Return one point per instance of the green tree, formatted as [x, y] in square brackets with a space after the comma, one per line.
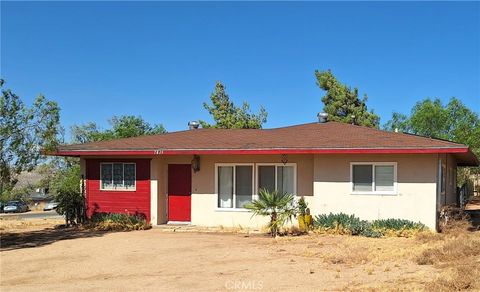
[122, 127]
[228, 116]
[24, 132]
[398, 122]
[430, 118]
[342, 103]
[68, 193]
[88, 132]
[131, 126]
[278, 206]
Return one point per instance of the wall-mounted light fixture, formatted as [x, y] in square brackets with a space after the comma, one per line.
[284, 159]
[196, 163]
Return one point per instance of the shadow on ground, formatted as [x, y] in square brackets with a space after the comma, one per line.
[36, 238]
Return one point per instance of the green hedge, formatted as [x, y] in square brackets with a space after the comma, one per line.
[349, 224]
[397, 227]
[396, 224]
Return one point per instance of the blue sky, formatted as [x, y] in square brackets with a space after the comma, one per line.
[161, 60]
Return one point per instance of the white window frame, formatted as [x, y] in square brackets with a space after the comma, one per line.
[276, 165]
[234, 202]
[122, 189]
[374, 192]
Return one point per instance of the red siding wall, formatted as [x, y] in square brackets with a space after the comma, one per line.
[118, 201]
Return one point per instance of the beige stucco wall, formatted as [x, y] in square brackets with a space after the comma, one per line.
[204, 199]
[324, 180]
[416, 185]
[155, 170]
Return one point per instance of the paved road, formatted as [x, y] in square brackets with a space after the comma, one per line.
[31, 215]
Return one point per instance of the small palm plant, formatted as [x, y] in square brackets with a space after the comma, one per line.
[279, 206]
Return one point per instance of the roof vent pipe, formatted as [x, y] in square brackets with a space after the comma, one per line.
[193, 125]
[322, 117]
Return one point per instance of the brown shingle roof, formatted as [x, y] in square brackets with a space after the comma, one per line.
[314, 136]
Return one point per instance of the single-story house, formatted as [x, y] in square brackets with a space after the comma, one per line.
[205, 176]
[31, 192]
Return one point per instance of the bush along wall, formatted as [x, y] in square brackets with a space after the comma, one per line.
[349, 224]
[118, 222]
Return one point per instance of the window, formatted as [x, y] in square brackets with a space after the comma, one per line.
[277, 177]
[378, 177]
[117, 176]
[234, 185]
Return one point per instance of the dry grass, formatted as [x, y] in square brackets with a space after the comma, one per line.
[460, 277]
[349, 255]
[453, 256]
[450, 249]
[428, 237]
[430, 261]
[13, 225]
[456, 252]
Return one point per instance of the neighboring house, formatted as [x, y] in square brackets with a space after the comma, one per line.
[28, 186]
[205, 176]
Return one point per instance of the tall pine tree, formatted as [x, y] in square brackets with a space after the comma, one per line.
[342, 102]
[228, 116]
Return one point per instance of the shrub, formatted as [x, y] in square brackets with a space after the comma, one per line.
[302, 206]
[397, 227]
[452, 218]
[344, 224]
[396, 224]
[368, 232]
[71, 203]
[118, 222]
[349, 224]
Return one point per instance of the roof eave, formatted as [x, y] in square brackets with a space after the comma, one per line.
[467, 159]
[261, 151]
[78, 153]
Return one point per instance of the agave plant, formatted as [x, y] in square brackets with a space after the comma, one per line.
[279, 206]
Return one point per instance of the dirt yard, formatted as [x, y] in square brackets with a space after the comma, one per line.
[34, 257]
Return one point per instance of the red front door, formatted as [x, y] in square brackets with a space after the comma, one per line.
[179, 192]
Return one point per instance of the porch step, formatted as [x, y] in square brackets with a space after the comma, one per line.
[194, 228]
[176, 227]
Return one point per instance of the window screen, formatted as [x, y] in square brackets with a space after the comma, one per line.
[129, 175]
[362, 178]
[384, 178]
[243, 185]
[266, 177]
[285, 177]
[225, 186]
[106, 171]
[117, 176]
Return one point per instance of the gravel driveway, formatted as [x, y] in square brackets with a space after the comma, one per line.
[157, 260]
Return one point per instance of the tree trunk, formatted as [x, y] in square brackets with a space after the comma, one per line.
[273, 224]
